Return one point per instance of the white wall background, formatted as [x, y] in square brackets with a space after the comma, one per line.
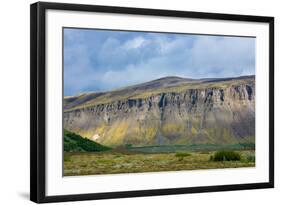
[14, 100]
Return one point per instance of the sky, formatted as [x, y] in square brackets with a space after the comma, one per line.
[102, 60]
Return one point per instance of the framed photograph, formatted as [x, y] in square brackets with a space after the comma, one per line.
[129, 102]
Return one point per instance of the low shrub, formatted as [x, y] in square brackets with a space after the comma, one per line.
[250, 158]
[226, 156]
[66, 158]
[182, 154]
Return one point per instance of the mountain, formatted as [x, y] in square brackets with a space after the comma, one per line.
[88, 99]
[170, 110]
[74, 142]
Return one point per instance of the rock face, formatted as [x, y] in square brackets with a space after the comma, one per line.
[206, 111]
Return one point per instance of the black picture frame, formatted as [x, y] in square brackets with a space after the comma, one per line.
[38, 101]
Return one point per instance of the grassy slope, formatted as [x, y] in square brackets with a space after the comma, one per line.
[76, 143]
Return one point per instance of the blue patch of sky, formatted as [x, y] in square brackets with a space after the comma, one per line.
[102, 60]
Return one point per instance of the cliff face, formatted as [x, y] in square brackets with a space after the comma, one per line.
[213, 112]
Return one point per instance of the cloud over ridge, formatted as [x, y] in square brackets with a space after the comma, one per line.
[100, 60]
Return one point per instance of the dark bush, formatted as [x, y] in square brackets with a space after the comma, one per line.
[226, 156]
[182, 154]
[250, 158]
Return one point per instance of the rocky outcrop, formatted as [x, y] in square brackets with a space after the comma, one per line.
[223, 114]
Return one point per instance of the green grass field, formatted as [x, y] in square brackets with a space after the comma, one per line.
[129, 161]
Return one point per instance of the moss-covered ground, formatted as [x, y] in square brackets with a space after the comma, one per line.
[121, 161]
